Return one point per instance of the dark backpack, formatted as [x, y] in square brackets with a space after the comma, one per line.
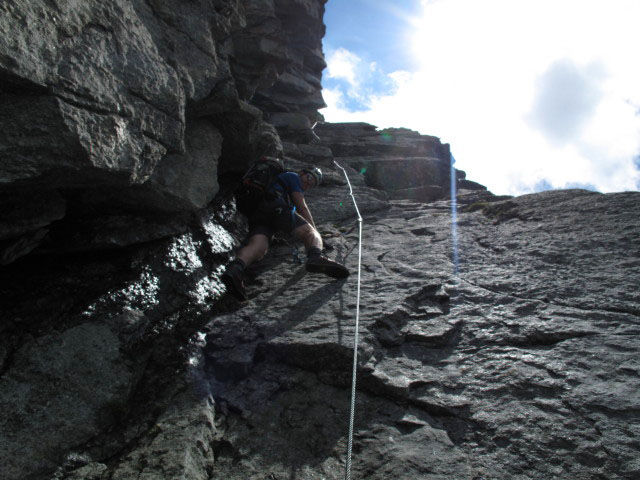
[256, 183]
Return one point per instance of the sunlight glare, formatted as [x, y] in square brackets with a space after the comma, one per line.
[530, 94]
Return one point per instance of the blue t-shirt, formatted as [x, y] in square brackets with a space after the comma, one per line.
[288, 183]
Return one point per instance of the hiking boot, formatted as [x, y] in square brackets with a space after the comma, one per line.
[233, 280]
[321, 264]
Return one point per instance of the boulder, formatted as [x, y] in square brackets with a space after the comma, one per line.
[191, 178]
[119, 110]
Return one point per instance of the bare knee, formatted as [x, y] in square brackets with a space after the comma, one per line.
[262, 253]
[261, 245]
[255, 250]
[304, 232]
[309, 236]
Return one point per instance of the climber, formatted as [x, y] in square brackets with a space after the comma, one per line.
[284, 210]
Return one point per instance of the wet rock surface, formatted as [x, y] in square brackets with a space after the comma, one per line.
[96, 346]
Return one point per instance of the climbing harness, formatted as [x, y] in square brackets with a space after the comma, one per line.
[347, 474]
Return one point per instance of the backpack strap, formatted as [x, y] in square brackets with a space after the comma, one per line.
[280, 194]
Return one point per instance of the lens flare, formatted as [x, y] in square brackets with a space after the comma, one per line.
[454, 218]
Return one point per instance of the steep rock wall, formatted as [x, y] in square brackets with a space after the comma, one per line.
[133, 106]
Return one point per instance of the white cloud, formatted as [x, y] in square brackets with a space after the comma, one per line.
[567, 96]
[342, 64]
[525, 92]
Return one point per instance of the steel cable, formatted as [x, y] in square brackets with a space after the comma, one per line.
[347, 474]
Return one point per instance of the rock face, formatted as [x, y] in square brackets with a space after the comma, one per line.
[397, 160]
[498, 335]
[506, 348]
[518, 360]
[133, 106]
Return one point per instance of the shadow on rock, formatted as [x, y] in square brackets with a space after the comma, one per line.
[282, 290]
[311, 303]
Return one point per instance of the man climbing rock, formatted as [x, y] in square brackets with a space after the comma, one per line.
[283, 209]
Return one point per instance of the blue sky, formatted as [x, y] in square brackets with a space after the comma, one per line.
[378, 33]
[531, 94]
[375, 29]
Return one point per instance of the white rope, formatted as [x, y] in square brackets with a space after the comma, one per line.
[347, 474]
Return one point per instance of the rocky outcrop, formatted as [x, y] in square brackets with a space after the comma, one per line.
[134, 106]
[397, 160]
[498, 335]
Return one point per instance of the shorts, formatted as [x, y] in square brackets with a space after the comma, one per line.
[274, 216]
